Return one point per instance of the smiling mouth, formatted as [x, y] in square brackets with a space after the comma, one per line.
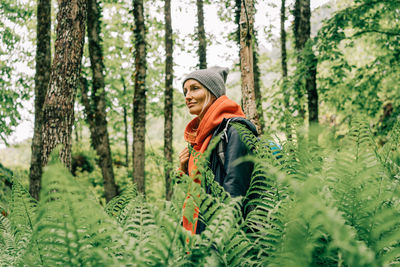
[191, 105]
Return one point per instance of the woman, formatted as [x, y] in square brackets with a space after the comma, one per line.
[205, 97]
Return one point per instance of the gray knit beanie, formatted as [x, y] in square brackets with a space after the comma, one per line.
[213, 79]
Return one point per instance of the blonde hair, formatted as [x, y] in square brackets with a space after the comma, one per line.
[209, 97]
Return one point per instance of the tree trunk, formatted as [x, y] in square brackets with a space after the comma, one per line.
[286, 95]
[168, 104]
[302, 29]
[283, 41]
[285, 91]
[238, 4]
[246, 63]
[42, 77]
[300, 32]
[139, 99]
[201, 35]
[126, 141]
[58, 109]
[257, 86]
[96, 106]
[311, 84]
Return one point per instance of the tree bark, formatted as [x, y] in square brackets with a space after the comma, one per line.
[139, 99]
[246, 63]
[96, 106]
[285, 91]
[201, 35]
[42, 77]
[257, 86]
[283, 41]
[302, 30]
[302, 15]
[311, 84]
[168, 104]
[58, 109]
[286, 95]
[238, 4]
[126, 141]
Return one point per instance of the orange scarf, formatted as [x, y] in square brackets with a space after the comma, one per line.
[199, 133]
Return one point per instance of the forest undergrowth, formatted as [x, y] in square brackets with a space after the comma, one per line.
[321, 202]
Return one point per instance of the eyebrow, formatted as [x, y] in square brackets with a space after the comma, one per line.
[191, 86]
[195, 85]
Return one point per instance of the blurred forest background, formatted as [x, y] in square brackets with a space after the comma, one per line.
[103, 79]
[352, 46]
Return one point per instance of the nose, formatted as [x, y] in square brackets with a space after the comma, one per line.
[188, 95]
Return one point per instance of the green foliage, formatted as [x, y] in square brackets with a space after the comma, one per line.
[14, 82]
[115, 206]
[324, 202]
[17, 224]
[358, 47]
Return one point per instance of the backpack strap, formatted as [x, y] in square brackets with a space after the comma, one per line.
[222, 143]
[272, 146]
[221, 152]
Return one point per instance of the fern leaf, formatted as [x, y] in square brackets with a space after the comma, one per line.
[118, 203]
[23, 208]
[138, 222]
[9, 251]
[170, 241]
[71, 228]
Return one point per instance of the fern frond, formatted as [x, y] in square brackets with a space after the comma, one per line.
[366, 195]
[310, 221]
[263, 208]
[222, 233]
[385, 235]
[390, 154]
[137, 221]
[115, 206]
[20, 221]
[263, 147]
[221, 215]
[9, 250]
[23, 211]
[170, 241]
[71, 228]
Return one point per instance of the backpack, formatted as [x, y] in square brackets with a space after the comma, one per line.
[274, 147]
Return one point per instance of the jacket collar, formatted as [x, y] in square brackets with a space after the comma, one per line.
[197, 131]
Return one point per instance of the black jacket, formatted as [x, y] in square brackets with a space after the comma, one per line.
[233, 177]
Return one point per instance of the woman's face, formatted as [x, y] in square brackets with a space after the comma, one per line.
[198, 99]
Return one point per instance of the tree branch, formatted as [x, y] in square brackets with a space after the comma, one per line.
[376, 31]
